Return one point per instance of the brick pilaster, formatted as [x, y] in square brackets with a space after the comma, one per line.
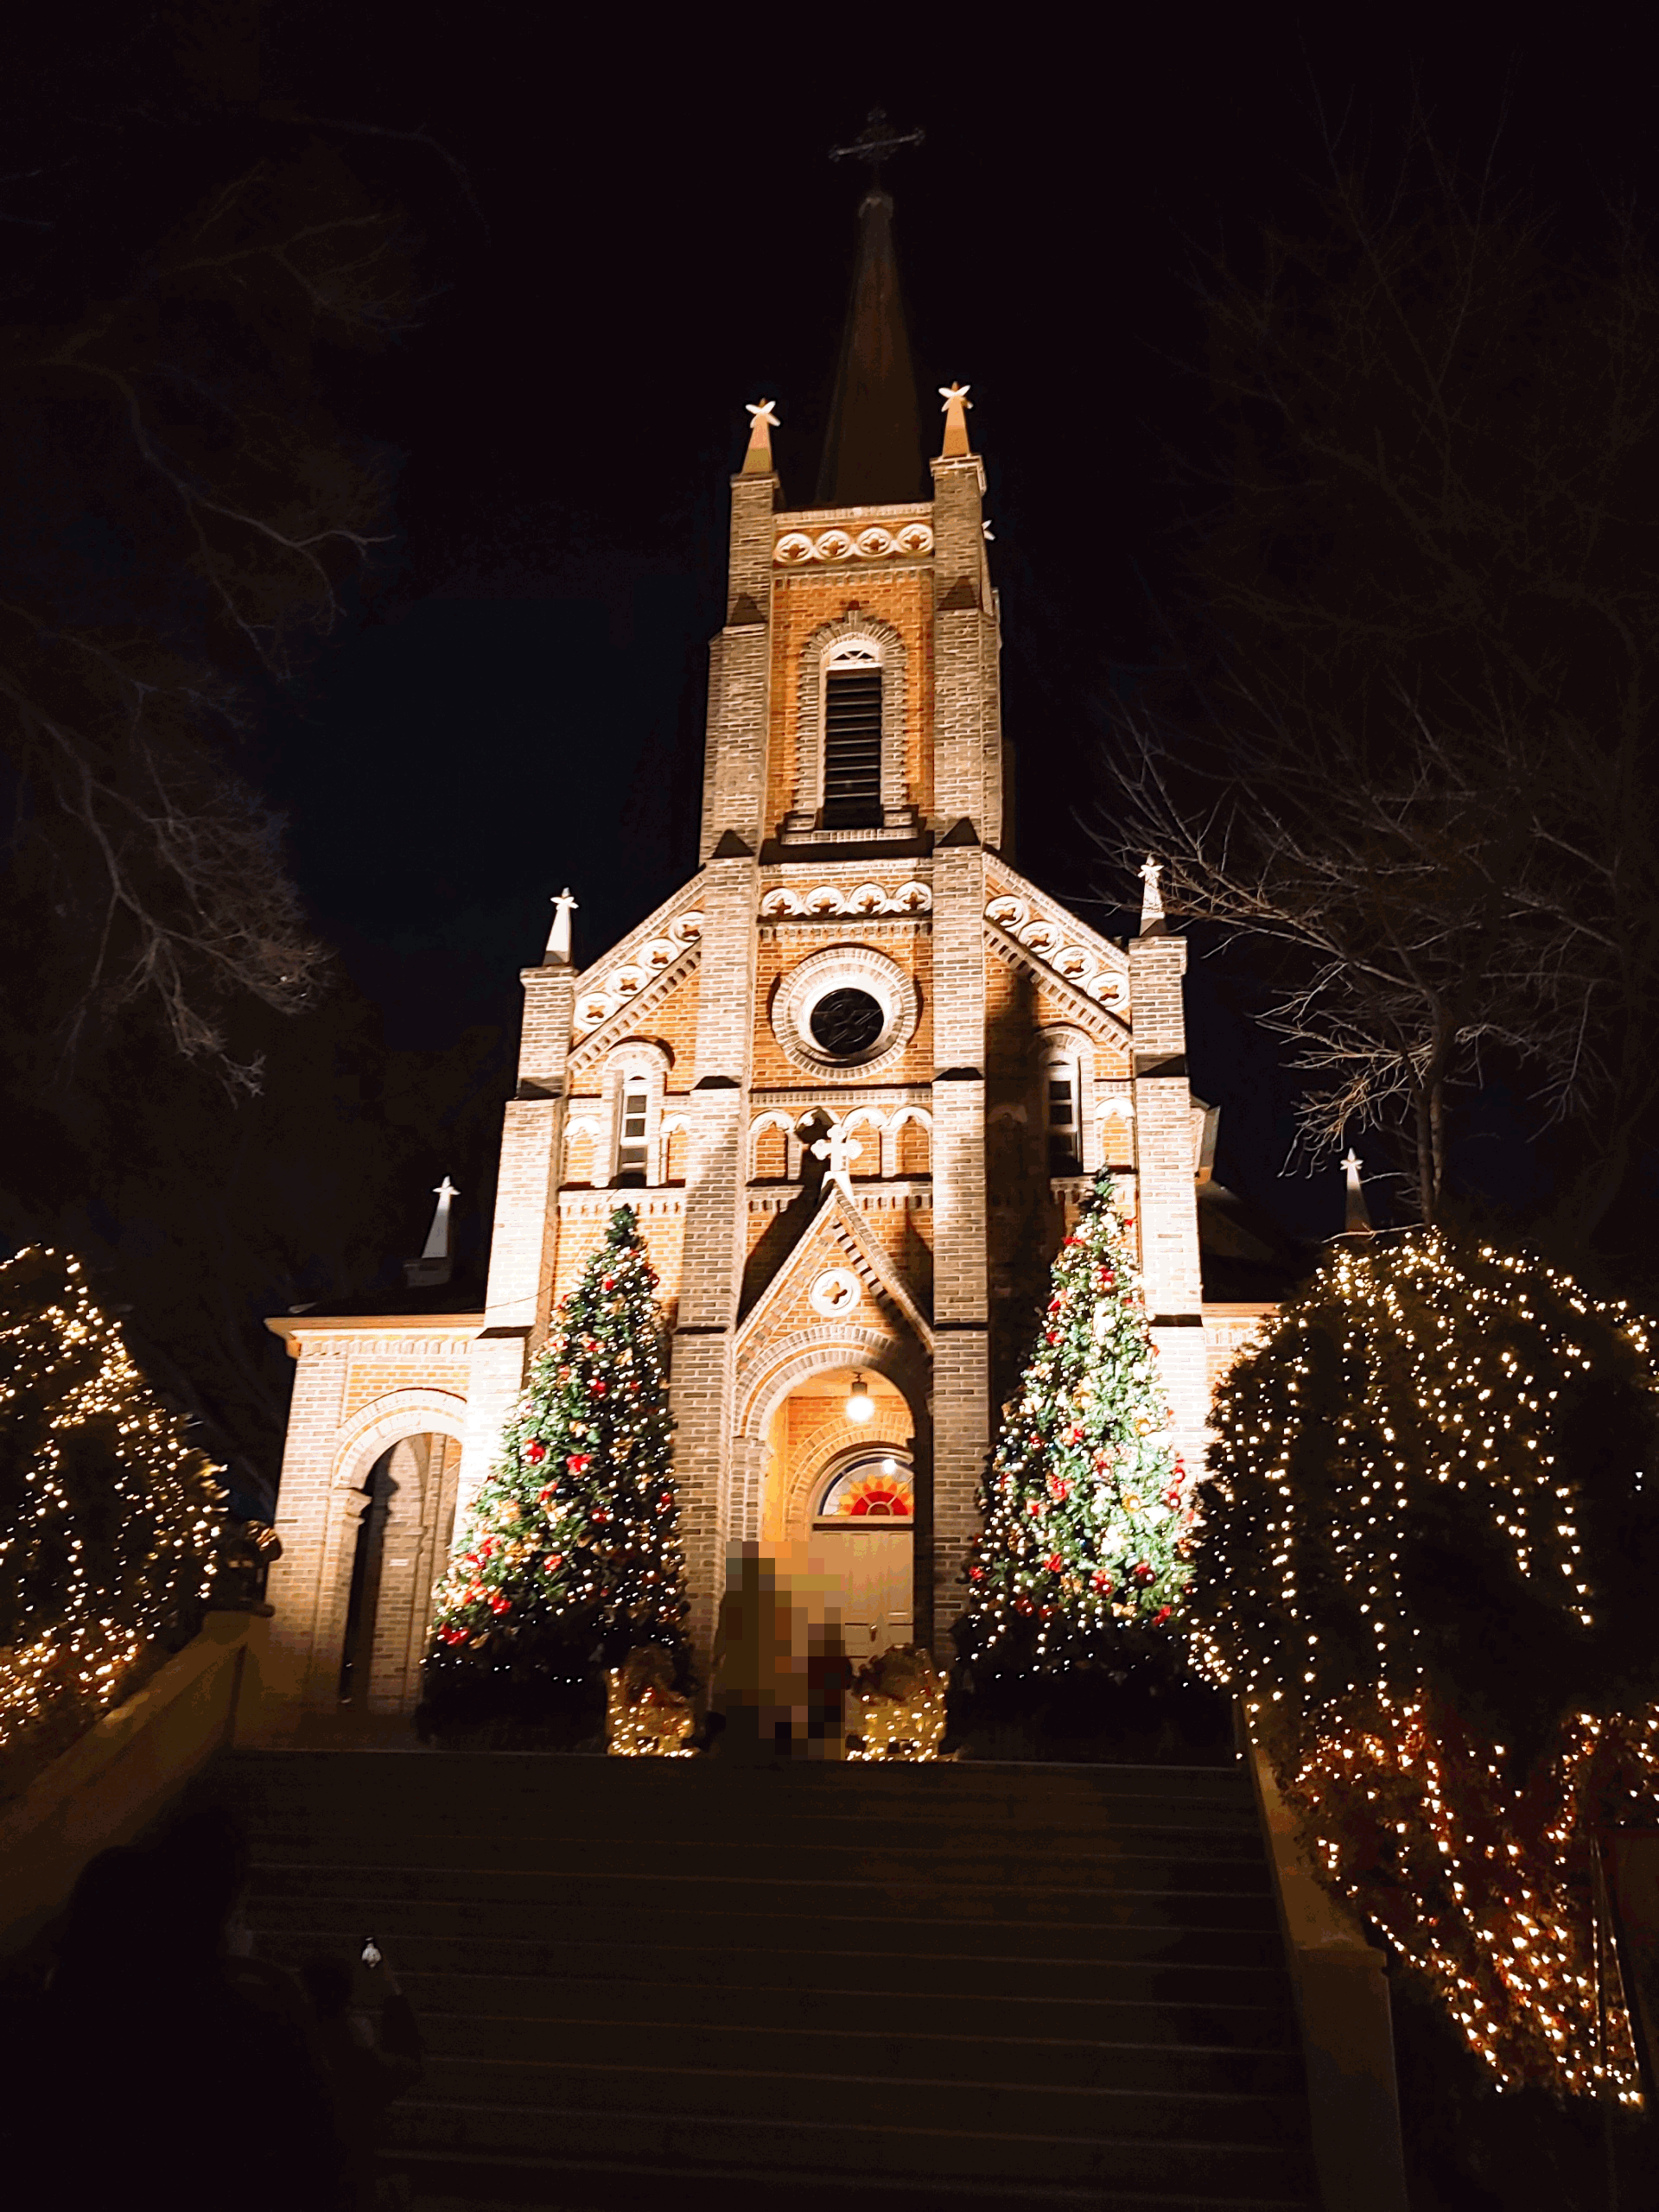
[298, 1582]
[961, 1299]
[733, 783]
[711, 1267]
[1166, 1188]
[967, 756]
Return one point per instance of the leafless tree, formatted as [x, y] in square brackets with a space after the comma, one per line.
[1423, 768]
[180, 511]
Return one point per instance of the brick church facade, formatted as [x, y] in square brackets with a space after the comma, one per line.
[855, 1075]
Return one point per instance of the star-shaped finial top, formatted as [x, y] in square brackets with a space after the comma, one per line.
[765, 412]
[956, 403]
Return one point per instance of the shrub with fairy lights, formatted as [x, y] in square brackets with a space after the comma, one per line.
[1427, 1564]
[109, 1516]
[570, 1558]
[1086, 1505]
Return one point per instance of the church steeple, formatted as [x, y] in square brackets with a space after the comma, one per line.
[872, 446]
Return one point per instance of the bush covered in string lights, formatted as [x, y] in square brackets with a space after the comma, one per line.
[570, 1556]
[1086, 1507]
[1427, 1563]
[109, 1515]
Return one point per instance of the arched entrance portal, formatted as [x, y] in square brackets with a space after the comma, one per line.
[402, 1538]
[839, 1501]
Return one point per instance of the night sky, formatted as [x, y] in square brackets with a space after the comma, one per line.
[629, 228]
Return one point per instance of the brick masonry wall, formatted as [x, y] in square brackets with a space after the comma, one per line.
[377, 1378]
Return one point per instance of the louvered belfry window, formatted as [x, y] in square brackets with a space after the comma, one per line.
[852, 748]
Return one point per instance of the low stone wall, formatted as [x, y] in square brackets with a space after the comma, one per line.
[1342, 2004]
[124, 1771]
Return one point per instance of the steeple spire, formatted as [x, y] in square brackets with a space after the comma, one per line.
[872, 449]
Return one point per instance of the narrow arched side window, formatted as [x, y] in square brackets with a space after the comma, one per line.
[1063, 1114]
[852, 736]
[635, 1078]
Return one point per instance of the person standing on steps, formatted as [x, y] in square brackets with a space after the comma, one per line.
[758, 1686]
[368, 2053]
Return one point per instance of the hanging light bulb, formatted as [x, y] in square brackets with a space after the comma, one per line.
[860, 1406]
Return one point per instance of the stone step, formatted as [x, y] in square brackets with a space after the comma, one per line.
[973, 2052]
[845, 2145]
[594, 2185]
[801, 1934]
[965, 1861]
[501, 1783]
[994, 2108]
[1018, 1780]
[768, 2009]
[531, 1896]
[992, 1976]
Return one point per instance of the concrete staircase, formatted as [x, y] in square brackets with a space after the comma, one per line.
[651, 1982]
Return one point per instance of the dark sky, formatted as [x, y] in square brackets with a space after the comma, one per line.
[629, 228]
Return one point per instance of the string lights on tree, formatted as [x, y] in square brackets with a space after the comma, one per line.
[109, 1515]
[570, 1556]
[1428, 1555]
[1087, 1508]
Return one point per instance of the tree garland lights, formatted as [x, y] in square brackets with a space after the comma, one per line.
[572, 1546]
[1427, 1563]
[1087, 1511]
[109, 1516]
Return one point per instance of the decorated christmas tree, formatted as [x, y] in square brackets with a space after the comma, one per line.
[570, 1556]
[109, 1515]
[1086, 1511]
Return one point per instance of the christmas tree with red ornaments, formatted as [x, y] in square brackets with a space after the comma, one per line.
[571, 1557]
[1087, 1506]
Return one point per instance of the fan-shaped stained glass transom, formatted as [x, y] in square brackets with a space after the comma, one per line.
[875, 1488]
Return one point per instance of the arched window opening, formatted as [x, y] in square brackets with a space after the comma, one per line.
[1065, 1148]
[913, 1144]
[633, 1111]
[852, 739]
[771, 1155]
[866, 1163]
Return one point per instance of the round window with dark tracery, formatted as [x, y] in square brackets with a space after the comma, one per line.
[847, 1022]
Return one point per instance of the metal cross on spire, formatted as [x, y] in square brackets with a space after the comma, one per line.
[876, 142]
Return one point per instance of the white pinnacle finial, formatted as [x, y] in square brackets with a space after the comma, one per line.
[763, 421]
[956, 402]
[1152, 899]
[437, 1238]
[1357, 1215]
[558, 940]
